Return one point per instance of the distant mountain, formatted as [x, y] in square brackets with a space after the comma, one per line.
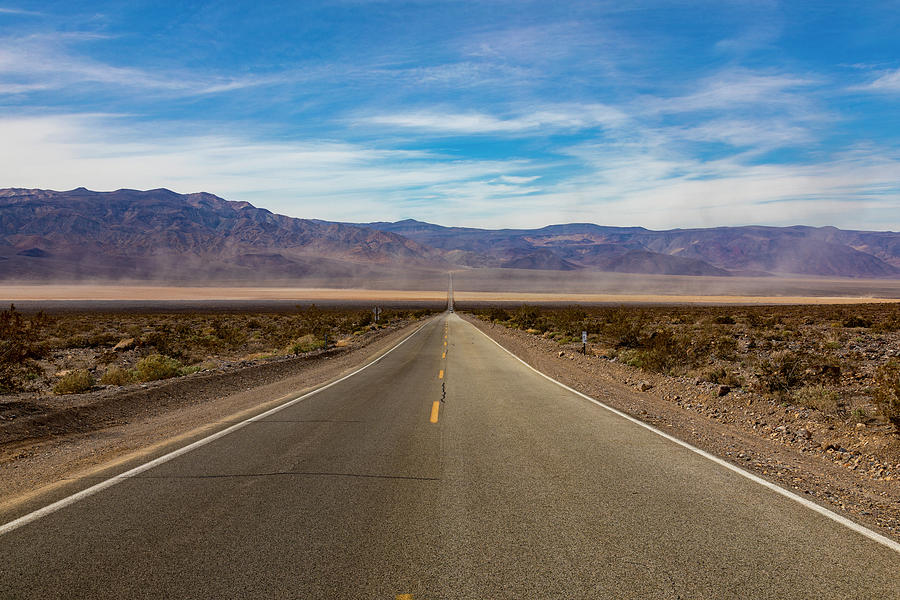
[158, 234]
[164, 236]
[720, 251]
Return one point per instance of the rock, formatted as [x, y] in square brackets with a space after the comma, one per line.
[63, 373]
[803, 433]
[126, 344]
[644, 386]
[561, 354]
[723, 390]
[860, 426]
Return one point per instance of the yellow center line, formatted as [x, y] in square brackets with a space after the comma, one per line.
[441, 374]
[434, 411]
[444, 355]
[404, 597]
[445, 342]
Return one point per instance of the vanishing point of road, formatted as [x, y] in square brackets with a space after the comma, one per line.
[446, 469]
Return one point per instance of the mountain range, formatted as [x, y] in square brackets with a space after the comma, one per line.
[161, 235]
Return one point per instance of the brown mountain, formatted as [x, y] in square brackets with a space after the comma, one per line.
[161, 235]
[722, 251]
[164, 236]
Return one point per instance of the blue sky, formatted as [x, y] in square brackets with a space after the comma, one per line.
[491, 113]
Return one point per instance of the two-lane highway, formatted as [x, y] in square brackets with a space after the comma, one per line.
[448, 469]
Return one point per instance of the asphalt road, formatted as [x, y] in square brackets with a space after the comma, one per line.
[446, 470]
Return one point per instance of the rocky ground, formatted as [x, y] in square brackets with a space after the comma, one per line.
[850, 466]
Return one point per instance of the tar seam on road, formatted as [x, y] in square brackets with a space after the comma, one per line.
[275, 474]
[59, 504]
[296, 421]
[865, 531]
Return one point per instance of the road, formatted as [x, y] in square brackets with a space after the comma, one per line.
[448, 469]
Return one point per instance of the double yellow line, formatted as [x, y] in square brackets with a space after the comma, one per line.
[436, 406]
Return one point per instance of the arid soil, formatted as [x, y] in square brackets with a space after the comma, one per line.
[586, 298]
[157, 293]
[853, 468]
[48, 440]
[515, 281]
[495, 285]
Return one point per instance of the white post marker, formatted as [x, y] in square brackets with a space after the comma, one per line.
[584, 342]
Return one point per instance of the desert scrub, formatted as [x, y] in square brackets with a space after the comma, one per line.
[19, 349]
[781, 373]
[157, 366]
[117, 376]
[76, 382]
[307, 343]
[819, 397]
[723, 376]
[886, 391]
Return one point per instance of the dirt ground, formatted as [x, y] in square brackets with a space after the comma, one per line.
[153, 293]
[43, 450]
[853, 471]
[499, 285]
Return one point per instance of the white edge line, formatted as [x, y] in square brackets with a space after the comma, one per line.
[59, 504]
[872, 535]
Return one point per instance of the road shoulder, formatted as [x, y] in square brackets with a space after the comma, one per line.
[158, 419]
[813, 475]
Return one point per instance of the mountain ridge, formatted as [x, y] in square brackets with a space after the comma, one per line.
[160, 234]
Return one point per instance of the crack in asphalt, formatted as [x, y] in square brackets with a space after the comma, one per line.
[296, 421]
[275, 474]
[672, 587]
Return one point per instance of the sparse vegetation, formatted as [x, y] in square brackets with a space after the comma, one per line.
[75, 382]
[819, 397]
[117, 376]
[129, 347]
[838, 360]
[19, 349]
[155, 367]
[887, 391]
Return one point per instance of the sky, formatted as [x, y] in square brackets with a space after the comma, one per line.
[495, 113]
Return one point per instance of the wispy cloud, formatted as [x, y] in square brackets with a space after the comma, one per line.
[312, 178]
[45, 62]
[550, 117]
[19, 11]
[736, 89]
[887, 82]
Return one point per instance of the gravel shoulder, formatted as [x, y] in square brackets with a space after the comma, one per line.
[69, 438]
[849, 471]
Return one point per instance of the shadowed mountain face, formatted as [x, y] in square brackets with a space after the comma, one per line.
[754, 251]
[160, 235]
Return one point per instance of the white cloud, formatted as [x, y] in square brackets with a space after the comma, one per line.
[761, 135]
[888, 82]
[320, 179]
[644, 180]
[45, 62]
[19, 11]
[550, 117]
[736, 89]
[516, 180]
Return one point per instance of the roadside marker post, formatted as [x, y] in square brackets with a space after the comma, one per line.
[584, 342]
